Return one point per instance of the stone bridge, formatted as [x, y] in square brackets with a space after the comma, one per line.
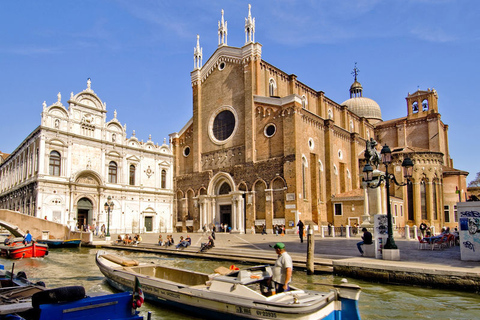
[18, 224]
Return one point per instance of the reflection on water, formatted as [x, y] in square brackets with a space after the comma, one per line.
[66, 267]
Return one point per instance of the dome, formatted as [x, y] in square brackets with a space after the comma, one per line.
[364, 107]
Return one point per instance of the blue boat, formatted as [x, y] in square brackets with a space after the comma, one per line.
[58, 243]
[24, 300]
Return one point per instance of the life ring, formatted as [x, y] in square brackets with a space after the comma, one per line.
[63, 294]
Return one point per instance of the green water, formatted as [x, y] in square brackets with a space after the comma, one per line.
[65, 267]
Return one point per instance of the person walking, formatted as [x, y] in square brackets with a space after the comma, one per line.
[300, 226]
[282, 270]
[366, 239]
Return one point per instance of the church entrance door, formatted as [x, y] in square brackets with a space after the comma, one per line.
[226, 214]
[84, 213]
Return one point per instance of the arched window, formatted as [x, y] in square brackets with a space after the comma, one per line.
[132, 175]
[304, 178]
[54, 167]
[272, 88]
[164, 179]
[112, 172]
[423, 200]
[434, 195]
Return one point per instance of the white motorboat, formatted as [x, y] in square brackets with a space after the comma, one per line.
[236, 295]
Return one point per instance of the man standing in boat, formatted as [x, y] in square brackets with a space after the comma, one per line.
[282, 271]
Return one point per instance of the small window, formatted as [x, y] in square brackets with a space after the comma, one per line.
[221, 66]
[54, 167]
[335, 170]
[340, 154]
[186, 151]
[112, 172]
[446, 211]
[164, 179]
[338, 209]
[270, 130]
[132, 175]
[311, 143]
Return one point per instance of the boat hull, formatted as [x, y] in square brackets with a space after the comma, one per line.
[222, 305]
[19, 250]
[53, 244]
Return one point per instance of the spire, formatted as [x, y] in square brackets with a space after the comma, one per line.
[356, 88]
[197, 55]
[222, 32]
[249, 27]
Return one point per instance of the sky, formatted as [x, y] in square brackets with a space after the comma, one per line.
[139, 55]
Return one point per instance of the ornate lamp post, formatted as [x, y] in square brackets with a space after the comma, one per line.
[108, 208]
[407, 165]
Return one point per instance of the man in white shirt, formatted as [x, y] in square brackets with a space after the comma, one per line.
[282, 271]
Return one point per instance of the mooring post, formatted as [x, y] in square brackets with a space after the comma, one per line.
[310, 250]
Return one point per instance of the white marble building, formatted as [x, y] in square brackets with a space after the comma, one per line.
[68, 166]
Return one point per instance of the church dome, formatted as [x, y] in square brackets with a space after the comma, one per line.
[364, 107]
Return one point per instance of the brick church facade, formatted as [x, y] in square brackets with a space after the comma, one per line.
[263, 148]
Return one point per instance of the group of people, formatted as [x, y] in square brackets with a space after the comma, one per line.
[167, 242]
[127, 239]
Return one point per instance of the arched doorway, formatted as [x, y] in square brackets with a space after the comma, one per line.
[84, 213]
[225, 206]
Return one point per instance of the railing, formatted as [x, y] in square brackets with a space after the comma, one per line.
[407, 232]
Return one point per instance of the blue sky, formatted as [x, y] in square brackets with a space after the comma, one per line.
[139, 55]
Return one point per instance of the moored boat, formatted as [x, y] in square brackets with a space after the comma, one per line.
[236, 295]
[22, 299]
[58, 243]
[18, 250]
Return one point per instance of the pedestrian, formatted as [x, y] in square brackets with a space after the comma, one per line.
[282, 270]
[300, 226]
[264, 229]
[423, 227]
[366, 239]
[102, 231]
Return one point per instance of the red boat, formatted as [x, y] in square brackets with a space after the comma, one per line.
[18, 250]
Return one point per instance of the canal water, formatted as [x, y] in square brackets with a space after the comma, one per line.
[66, 267]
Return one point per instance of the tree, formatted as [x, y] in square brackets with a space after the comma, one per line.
[475, 182]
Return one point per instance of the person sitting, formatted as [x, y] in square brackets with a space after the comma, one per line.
[160, 240]
[183, 243]
[8, 240]
[127, 239]
[169, 241]
[27, 238]
[208, 245]
[189, 240]
[137, 239]
[367, 239]
[119, 240]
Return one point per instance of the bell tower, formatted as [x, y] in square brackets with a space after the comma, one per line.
[422, 103]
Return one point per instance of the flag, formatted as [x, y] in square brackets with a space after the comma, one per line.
[138, 296]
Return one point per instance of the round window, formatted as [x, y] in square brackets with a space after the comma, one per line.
[223, 125]
[186, 151]
[311, 144]
[270, 130]
[221, 66]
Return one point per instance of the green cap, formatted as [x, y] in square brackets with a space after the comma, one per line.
[279, 245]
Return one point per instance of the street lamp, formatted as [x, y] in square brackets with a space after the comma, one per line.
[108, 207]
[407, 165]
